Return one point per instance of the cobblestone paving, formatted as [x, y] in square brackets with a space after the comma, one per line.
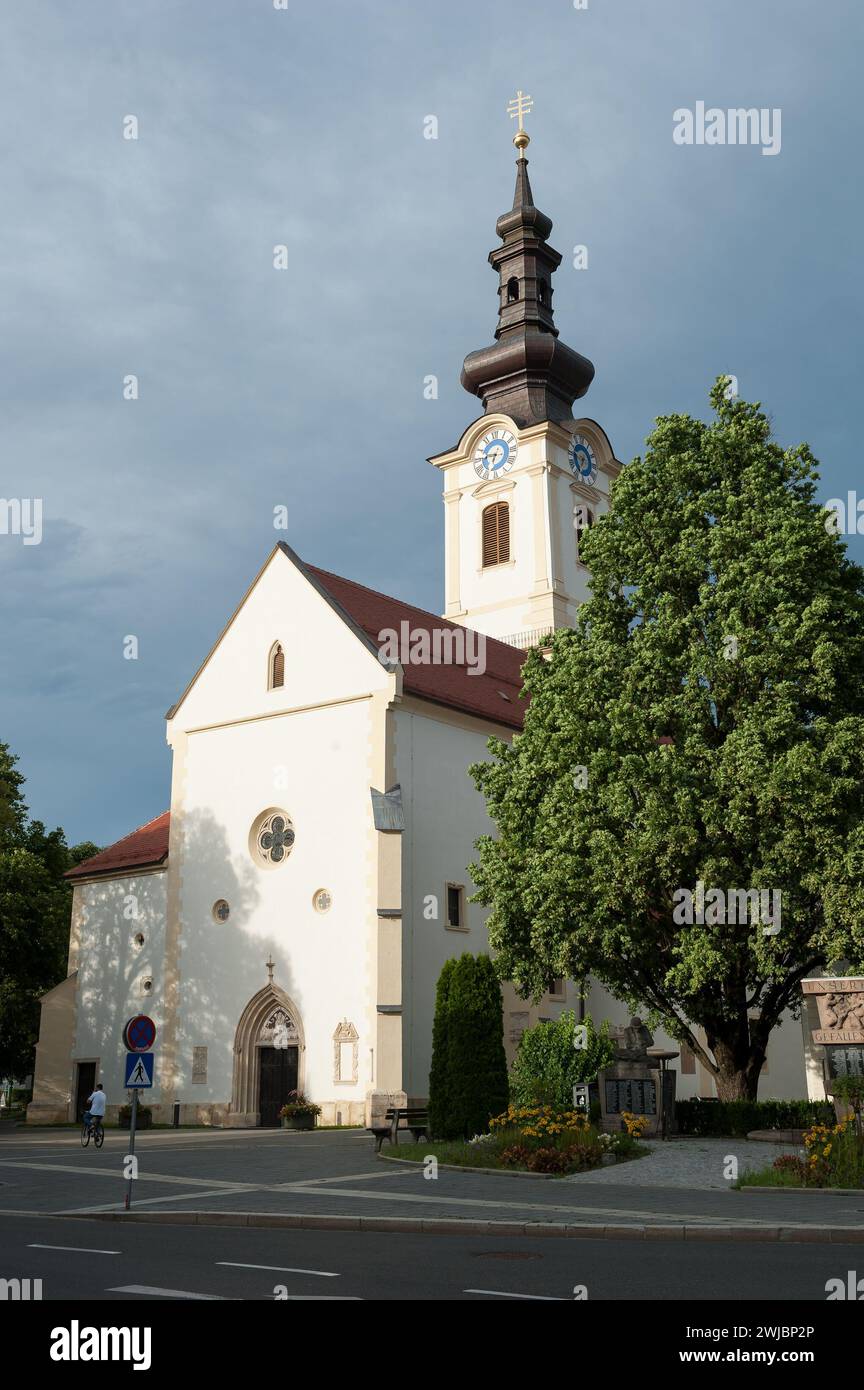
[693, 1163]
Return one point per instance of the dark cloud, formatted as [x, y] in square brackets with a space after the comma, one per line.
[305, 387]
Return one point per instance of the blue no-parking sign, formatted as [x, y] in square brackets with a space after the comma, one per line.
[139, 1033]
[139, 1070]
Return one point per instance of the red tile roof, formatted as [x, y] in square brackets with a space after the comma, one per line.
[493, 695]
[145, 848]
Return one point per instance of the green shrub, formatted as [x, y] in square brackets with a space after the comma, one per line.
[439, 1083]
[737, 1117]
[547, 1066]
[468, 1076]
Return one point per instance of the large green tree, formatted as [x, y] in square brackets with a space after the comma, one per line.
[34, 917]
[702, 724]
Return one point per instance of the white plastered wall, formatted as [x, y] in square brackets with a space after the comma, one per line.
[311, 749]
[109, 916]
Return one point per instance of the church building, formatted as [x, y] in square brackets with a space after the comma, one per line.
[286, 921]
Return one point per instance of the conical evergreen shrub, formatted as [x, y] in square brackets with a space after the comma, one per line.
[468, 1080]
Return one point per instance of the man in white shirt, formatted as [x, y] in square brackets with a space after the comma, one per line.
[95, 1106]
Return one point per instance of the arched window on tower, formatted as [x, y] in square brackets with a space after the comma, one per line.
[543, 291]
[496, 534]
[512, 290]
[583, 518]
[277, 666]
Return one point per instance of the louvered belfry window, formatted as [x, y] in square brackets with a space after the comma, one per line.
[496, 534]
[278, 668]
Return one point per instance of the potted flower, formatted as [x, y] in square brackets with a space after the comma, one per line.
[298, 1112]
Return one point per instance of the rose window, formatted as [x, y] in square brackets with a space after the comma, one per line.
[275, 838]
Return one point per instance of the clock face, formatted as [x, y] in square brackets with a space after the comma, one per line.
[495, 455]
[583, 460]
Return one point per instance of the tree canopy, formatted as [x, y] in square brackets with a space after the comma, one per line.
[34, 917]
[702, 729]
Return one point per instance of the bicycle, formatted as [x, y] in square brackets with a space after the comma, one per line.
[93, 1130]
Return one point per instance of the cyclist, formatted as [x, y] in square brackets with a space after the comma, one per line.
[95, 1107]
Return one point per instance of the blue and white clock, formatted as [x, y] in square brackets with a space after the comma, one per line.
[583, 460]
[495, 455]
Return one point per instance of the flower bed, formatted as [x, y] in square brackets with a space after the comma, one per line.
[833, 1157]
[536, 1139]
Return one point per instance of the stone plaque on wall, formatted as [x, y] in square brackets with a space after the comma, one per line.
[841, 1010]
[845, 1061]
[639, 1096]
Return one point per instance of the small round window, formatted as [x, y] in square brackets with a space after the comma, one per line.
[271, 839]
[322, 901]
[221, 910]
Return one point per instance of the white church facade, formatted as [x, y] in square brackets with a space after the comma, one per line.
[286, 921]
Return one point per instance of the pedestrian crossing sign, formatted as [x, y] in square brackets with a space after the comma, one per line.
[139, 1070]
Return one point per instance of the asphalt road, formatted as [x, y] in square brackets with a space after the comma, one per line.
[337, 1173]
[105, 1261]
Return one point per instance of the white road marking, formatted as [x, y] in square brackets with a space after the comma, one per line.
[350, 1177]
[498, 1293]
[153, 1201]
[575, 1212]
[77, 1249]
[280, 1269]
[112, 1172]
[167, 1293]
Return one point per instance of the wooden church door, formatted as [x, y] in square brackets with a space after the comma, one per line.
[278, 1076]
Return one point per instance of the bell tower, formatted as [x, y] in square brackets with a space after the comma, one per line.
[526, 478]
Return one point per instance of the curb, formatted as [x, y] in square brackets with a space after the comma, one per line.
[834, 1235]
[470, 1168]
[796, 1191]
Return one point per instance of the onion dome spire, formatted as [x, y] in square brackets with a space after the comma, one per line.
[528, 373]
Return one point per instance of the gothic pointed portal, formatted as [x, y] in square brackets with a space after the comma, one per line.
[528, 373]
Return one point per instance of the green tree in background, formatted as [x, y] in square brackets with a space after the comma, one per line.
[468, 1077]
[34, 918]
[548, 1065]
[703, 723]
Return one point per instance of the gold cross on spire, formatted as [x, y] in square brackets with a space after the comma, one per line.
[520, 106]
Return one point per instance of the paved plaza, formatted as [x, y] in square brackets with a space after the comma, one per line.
[336, 1173]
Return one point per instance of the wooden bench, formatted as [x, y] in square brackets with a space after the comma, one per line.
[415, 1118]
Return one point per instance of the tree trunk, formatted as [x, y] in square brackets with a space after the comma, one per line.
[739, 1062]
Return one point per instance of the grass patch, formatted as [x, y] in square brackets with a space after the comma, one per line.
[769, 1177]
[454, 1151]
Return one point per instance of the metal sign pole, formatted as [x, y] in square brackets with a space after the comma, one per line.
[132, 1147]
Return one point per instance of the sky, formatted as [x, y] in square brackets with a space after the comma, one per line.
[303, 126]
